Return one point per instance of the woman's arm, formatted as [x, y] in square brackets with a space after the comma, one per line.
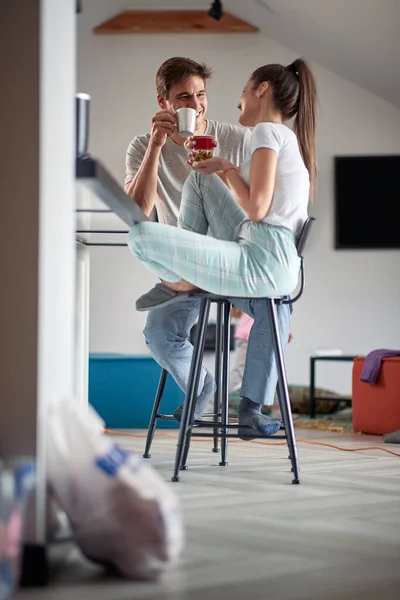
[256, 198]
[222, 175]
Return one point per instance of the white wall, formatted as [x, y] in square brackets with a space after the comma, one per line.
[352, 298]
[37, 239]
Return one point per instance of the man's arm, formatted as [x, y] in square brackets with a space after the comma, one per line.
[143, 186]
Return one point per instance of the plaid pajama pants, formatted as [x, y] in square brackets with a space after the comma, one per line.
[217, 248]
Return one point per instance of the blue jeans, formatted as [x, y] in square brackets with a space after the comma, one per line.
[167, 332]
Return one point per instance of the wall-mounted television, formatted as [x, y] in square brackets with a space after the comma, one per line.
[367, 202]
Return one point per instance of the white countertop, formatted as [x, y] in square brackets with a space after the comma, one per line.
[96, 224]
[104, 213]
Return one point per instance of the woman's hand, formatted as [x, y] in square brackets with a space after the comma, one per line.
[210, 165]
[190, 146]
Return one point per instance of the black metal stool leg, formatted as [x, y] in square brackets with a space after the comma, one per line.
[218, 372]
[225, 382]
[283, 393]
[188, 439]
[191, 392]
[155, 411]
[196, 377]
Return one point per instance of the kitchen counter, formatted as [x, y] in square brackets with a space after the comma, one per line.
[104, 214]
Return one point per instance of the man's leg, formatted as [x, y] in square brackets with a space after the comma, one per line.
[260, 375]
[236, 372]
[166, 334]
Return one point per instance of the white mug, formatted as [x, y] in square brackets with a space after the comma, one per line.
[186, 121]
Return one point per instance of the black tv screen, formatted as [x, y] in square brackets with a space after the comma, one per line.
[367, 202]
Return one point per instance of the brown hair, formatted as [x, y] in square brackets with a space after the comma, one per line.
[295, 95]
[178, 69]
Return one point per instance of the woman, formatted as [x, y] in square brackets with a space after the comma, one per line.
[255, 222]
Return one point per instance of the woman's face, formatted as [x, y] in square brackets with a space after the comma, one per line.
[249, 105]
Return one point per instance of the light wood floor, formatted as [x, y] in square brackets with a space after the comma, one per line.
[251, 534]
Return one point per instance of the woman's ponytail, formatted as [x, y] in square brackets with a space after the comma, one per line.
[304, 122]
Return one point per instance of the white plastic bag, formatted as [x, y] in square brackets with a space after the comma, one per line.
[122, 513]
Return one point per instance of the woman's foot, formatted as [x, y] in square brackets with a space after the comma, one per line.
[179, 286]
[164, 293]
[253, 423]
[160, 295]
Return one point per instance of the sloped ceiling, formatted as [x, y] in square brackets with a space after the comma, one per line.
[357, 39]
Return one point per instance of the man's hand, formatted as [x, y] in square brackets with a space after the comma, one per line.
[163, 126]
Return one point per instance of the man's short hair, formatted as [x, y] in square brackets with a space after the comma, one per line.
[176, 70]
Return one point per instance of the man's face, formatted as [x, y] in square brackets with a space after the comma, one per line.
[188, 94]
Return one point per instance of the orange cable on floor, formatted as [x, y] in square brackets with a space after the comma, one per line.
[175, 437]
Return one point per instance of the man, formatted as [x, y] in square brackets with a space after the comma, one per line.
[156, 168]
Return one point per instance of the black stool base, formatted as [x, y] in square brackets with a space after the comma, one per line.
[220, 425]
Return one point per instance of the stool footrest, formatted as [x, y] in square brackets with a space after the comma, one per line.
[235, 435]
[210, 424]
[171, 417]
[235, 425]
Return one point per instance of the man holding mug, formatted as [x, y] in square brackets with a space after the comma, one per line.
[156, 168]
[156, 163]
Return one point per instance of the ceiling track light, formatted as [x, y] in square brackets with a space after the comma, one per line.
[216, 10]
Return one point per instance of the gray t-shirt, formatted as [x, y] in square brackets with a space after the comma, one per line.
[233, 143]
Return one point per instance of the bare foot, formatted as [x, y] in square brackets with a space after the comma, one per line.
[180, 286]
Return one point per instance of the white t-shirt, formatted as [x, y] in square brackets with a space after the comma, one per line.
[292, 184]
[233, 143]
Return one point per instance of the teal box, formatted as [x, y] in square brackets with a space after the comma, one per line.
[122, 389]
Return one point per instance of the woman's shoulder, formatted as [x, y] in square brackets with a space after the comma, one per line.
[277, 133]
[278, 129]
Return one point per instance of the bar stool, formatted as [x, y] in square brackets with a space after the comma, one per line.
[220, 424]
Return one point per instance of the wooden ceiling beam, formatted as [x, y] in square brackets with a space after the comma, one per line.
[172, 21]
